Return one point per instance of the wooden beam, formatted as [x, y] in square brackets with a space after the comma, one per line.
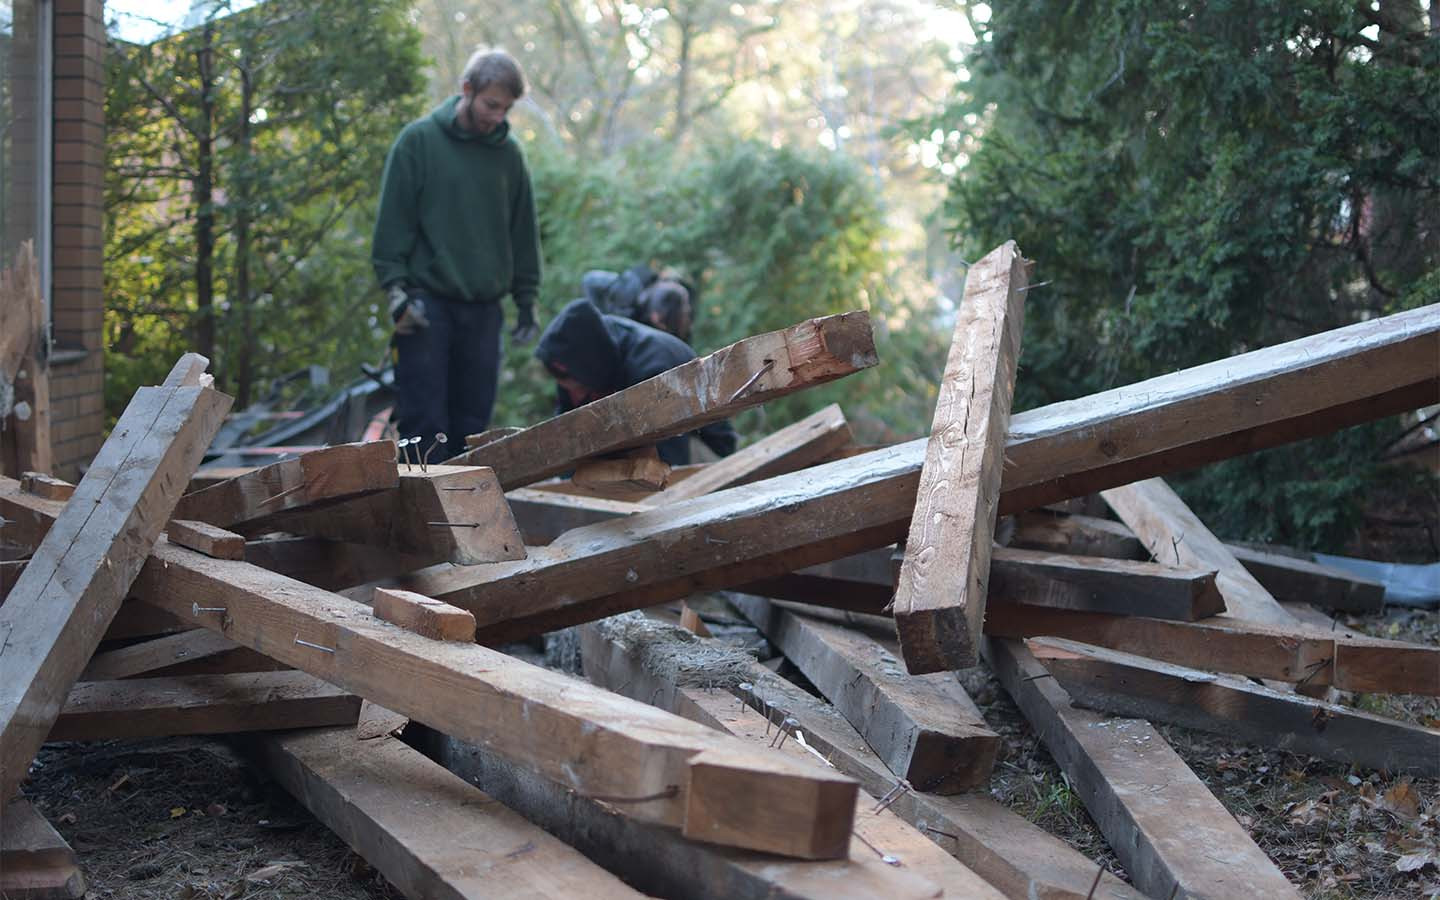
[157, 653]
[427, 831]
[925, 727]
[27, 519]
[1096, 584]
[773, 527]
[1059, 532]
[201, 704]
[331, 565]
[658, 860]
[35, 861]
[1175, 535]
[1169, 831]
[1306, 581]
[877, 830]
[47, 486]
[744, 374]
[1126, 685]
[650, 661]
[10, 570]
[333, 473]
[55, 616]
[625, 476]
[542, 516]
[582, 737]
[793, 447]
[426, 617]
[449, 514]
[940, 598]
[202, 537]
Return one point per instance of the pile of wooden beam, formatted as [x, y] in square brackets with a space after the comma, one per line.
[322, 602]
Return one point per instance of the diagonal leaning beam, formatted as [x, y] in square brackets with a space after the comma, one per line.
[775, 526]
[940, 599]
[651, 765]
[57, 612]
[744, 374]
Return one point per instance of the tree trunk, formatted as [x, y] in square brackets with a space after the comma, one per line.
[204, 196]
[245, 361]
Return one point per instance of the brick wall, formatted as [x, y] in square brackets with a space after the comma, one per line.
[77, 295]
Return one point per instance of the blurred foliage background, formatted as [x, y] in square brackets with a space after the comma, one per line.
[1193, 180]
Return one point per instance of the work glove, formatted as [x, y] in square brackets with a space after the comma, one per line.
[526, 329]
[408, 313]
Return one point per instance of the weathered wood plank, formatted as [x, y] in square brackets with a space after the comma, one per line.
[1096, 584]
[54, 617]
[940, 598]
[327, 564]
[793, 447]
[425, 616]
[626, 475]
[652, 662]
[47, 486]
[1306, 581]
[202, 537]
[1170, 832]
[925, 727]
[35, 862]
[1127, 685]
[770, 528]
[201, 704]
[542, 516]
[1059, 532]
[157, 653]
[426, 830]
[658, 860]
[24, 368]
[450, 514]
[318, 476]
[580, 736]
[744, 374]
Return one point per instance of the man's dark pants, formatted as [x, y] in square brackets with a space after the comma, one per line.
[446, 375]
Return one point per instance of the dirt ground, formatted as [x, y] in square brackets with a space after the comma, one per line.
[190, 819]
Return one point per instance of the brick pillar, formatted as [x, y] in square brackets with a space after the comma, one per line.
[77, 296]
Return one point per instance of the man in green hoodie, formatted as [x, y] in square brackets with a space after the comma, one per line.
[456, 232]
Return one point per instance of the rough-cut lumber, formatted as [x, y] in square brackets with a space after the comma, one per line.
[1306, 581]
[768, 528]
[1172, 835]
[877, 831]
[1096, 584]
[657, 860]
[542, 516]
[55, 616]
[1019, 859]
[331, 565]
[423, 615]
[940, 598]
[24, 368]
[925, 727]
[426, 830]
[157, 653]
[744, 374]
[793, 447]
[583, 737]
[10, 570]
[625, 475]
[201, 704]
[27, 519]
[451, 514]
[202, 537]
[47, 486]
[1126, 685]
[35, 862]
[1059, 532]
[318, 476]
[1176, 535]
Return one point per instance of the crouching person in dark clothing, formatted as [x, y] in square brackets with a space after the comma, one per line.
[591, 354]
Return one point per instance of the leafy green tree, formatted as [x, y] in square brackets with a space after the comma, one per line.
[244, 154]
[1197, 180]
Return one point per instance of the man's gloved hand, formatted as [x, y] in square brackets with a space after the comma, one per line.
[408, 313]
[526, 329]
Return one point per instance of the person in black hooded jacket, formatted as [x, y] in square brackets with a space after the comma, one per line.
[591, 354]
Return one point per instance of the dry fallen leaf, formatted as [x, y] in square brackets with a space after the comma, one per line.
[1402, 800]
[177, 811]
[1414, 862]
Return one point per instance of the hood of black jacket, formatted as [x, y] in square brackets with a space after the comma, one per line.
[578, 339]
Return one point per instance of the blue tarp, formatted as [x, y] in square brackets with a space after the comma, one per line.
[1405, 584]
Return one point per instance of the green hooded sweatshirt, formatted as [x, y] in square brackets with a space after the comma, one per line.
[457, 213]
